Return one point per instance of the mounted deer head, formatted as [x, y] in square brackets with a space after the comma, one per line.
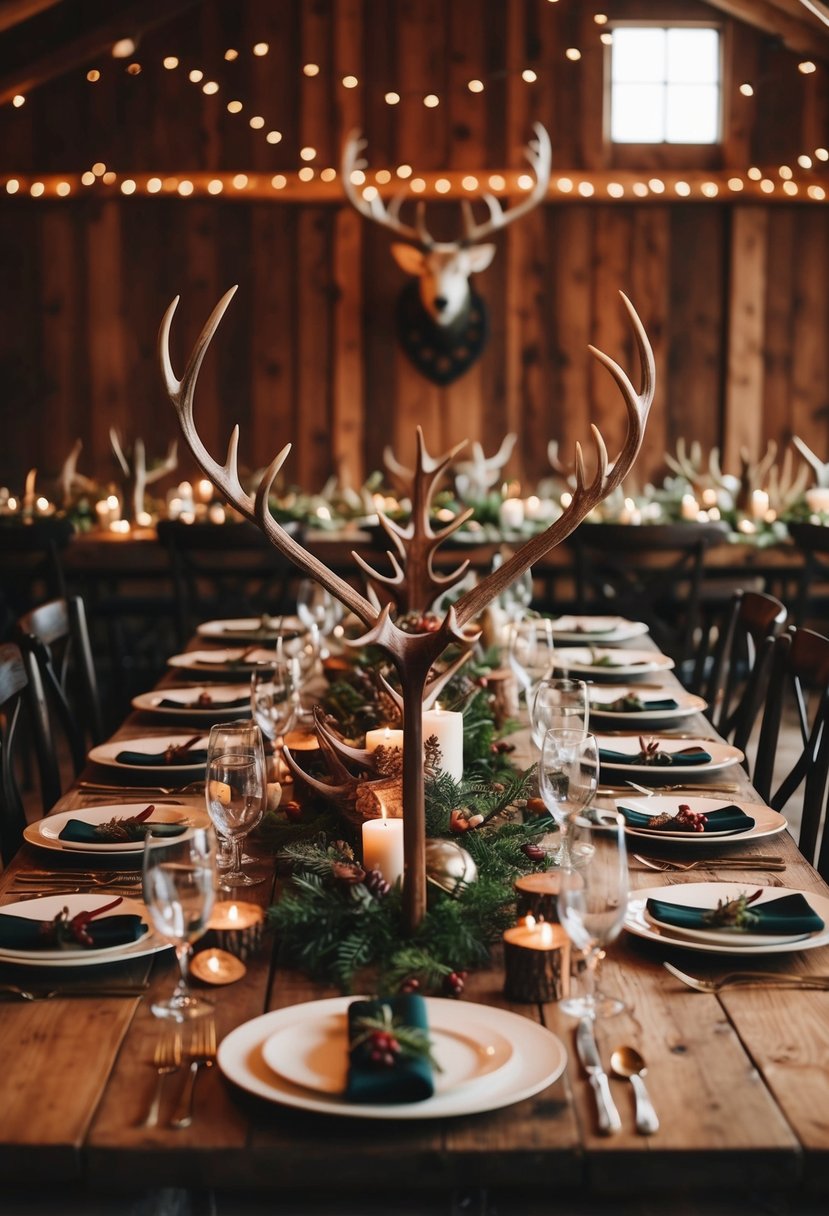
[443, 322]
[413, 654]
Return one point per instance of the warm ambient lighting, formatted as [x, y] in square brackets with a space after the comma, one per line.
[682, 189]
[279, 181]
[807, 67]
[18, 100]
[382, 176]
[786, 173]
[573, 54]
[109, 177]
[12, 185]
[417, 185]
[93, 75]
[470, 183]
[754, 174]
[257, 122]
[240, 181]
[195, 75]
[431, 100]
[306, 174]
[311, 69]
[392, 99]
[154, 185]
[128, 186]
[746, 89]
[214, 186]
[475, 86]
[307, 153]
[805, 162]
[274, 137]
[231, 54]
[443, 185]
[36, 189]
[185, 188]
[170, 62]
[404, 171]
[497, 182]
[350, 82]
[529, 75]
[210, 87]
[234, 107]
[88, 178]
[260, 49]
[123, 48]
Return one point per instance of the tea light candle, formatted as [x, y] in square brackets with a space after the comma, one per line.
[536, 962]
[447, 725]
[384, 736]
[217, 967]
[204, 490]
[216, 513]
[383, 847]
[536, 895]
[237, 926]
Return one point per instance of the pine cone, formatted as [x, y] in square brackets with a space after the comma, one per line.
[376, 884]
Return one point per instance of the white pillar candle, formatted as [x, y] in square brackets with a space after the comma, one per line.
[447, 725]
[511, 514]
[818, 499]
[383, 847]
[384, 736]
[759, 504]
[689, 508]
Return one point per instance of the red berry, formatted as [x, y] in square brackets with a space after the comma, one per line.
[412, 984]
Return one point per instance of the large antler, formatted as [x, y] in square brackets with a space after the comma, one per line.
[374, 208]
[585, 496]
[539, 153]
[226, 477]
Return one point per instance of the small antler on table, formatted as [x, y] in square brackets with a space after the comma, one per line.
[413, 654]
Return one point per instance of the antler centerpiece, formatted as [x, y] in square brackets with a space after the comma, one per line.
[412, 654]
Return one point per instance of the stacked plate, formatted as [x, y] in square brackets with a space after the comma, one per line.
[298, 1057]
[599, 628]
[723, 755]
[251, 629]
[607, 663]
[49, 906]
[766, 822]
[107, 754]
[603, 696]
[200, 703]
[45, 833]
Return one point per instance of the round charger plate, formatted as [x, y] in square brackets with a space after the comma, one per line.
[250, 629]
[106, 753]
[706, 895]
[538, 1059]
[604, 694]
[723, 755]
[620, 665]
[225, 664]
[48, 906]
[314, 1053]
[187, 702]
[766, 821]
[45, 833]
[580, 629]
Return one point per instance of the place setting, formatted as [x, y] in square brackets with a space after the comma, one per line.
[114, 829]
[602, 629]
[68, 930]
[666, 759]
[177, 755]
[265, 628]
[197, 702]
[225, 663]
[697, 821]
[651, 704]
[609, 663]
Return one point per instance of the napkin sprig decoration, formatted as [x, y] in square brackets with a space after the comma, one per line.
[650, 752]
[685, 820]
[383, 1039]
[66, 930]
[734, 913]
[174, 751]
[126, 828]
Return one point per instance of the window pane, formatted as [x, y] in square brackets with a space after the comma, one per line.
[693, 56]
[637, 114]
[638, 54]
[692, 114]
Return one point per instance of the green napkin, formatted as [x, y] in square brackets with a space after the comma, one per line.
[79, 832]
[237, 702]
[24, 933]
[789, 914]
[628, 705]
[409, 1079]
[190, 758]
[725, 819]
[690, 755]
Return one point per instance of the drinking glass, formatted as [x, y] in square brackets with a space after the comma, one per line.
[274, 698]
[568, 774]
[179, 890]
[316, 606]
[592, 903]
[531, 652]
[236, 790]
[558, 705]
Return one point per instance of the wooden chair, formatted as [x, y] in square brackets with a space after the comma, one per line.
[20, 695]
[732, 672]
[812, 599]
[800, 664]
[30, 558]
[55, 644]
[651, 573]
[225, 570]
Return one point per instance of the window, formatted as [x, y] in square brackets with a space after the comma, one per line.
[665, 85]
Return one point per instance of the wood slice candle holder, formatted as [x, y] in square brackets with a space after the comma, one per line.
[237, 927]
[536, 962]
[536, 895]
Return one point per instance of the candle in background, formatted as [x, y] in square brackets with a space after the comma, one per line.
[237, 927]
[383, 847]
[511, 514]
[818, 499]
[204, 490]
[447, 725]
[216, 513]
[384, 736]
[759, 504]
[689, 508]
[536, 961]
[217, 967]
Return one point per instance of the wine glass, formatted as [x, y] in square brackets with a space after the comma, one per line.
[179, 890]
[317, 606]
[568, 774]
[558, 705]
[531, 652]
[274, 696]
[592, 903]
[236, 790]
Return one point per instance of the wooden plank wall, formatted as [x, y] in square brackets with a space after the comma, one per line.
[733, 296]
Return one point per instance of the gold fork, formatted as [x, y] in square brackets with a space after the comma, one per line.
[166, 1060]
[201, 1052]
[751, 979]
[713, 863]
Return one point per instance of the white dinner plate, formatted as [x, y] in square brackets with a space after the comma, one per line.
[186, 702]
[602, 629]
[618, 664]
[48, 906]
[225, 663]
[250, 629]
[706, 894]
[766, 821]
[723, 755]
[313, 1053]
[602, 695]
[45, 833]
[105, 754]
[538, 1059]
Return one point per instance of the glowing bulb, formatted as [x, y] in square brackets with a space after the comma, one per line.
[497, 182]
[329, 175]
[12, 185]
[475, 86]
[754, 174]
[134, 69]
[239, 181]
[573, 54]
[350, 82]
[606, 39]
[99, 168]
[682, 189]
[392, 99]
[215, 186]
[195, 75]
[154, 185]
[307, 153]
[123, 48]
[470, 183]
[93, 75]
[260, 49]
[431, 100]
[274, 137]
[640, 189]
[600, 18]
[529, 76]
[710, 189]
[417, 185]
[565, 185]
[234, 107]
[656, 185]
[185, 188]
[18, 100]
[279, 182]
[357, 177]
[767, 185]
[109, 177]
[404, 171]
[382, 177]
[806, 67]
[257, 122]
[231, 53]
[443, 185]
[170, 62]
[36, 189]
[88, 178]
[615, 189]
[822, 153]
[816, 192]
[747, 89]
[790, 187]
[786, 173]
[128, 186]
[306, 174]
[210, 87]
[805, 162]
[525, 182]
[311, 69]
[586, 189]
[370, 192]
[735, 183]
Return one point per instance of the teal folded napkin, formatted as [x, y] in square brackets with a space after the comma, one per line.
[725, 819]
[690, 755]
[237, 702]
[24, 933]
[159, 759]
[632, 705]
[789, 914]
[78, 832]
[409, 1078]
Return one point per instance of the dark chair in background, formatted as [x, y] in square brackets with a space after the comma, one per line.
[812, 600]
[31, 564]
[733, 662]
[227, 570]
[800, 667]
[56, 651]
[651, 573]
[22, 704]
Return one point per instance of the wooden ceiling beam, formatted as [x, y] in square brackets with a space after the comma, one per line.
[795, 34]
[14, 12]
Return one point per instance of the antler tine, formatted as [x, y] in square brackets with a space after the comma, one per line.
[376, 209]
[395, 579]
[115, 443]
[539, 153]
[585, 497]
[394, 466]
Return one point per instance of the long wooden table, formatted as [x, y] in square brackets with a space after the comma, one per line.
[741, 1083]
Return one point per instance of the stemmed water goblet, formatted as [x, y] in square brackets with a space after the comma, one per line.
[531, 652]
[592, 903]
[316, 606]
[558, 705]
[568, 775]
[179, 886]
[274, 701]
[236, 790]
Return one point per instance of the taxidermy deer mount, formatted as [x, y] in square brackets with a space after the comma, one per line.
[442, 322]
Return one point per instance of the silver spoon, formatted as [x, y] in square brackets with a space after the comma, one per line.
[626, 1062]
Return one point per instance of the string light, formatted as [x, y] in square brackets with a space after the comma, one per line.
[754, 174]
[257, 122]
[710, 189]
[215, 186]
[109, 177]
[816, 192]
[88, 178]
[767, 185]
[735, 183]
[640, 189]
[600, 18]
[128, 186]
[260, 49]
[185, 188]
[682, 189]
[525, 182]
[93, 75]
[470, 183]
[573, 54]
[443, 185]
[431, 100]
[822, 153]
[656, 185]
[404, 171]
[615, 189]
[806, 67]
[529, 76]
[497, 182]
[586, 189]
[279, 181]
[123, 48]
[134, 69]
[307, 153]
[195, 75]
[306, 174]
[392, 99]
[330, 175]
[417, 185]
[240, 181]
[154, 185]
[350, 82]
[564, 184]
[311, 69]
[370, 193]
[747, 89]
[274, 137]
[786, 173]
[12, 185]
[234, 107]
[805, 162]
[475, 86]
[18, 100]
[607, 39]
[230, 54]
[36, 189]
[210, 87]
[170, 62]
[99, 168]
